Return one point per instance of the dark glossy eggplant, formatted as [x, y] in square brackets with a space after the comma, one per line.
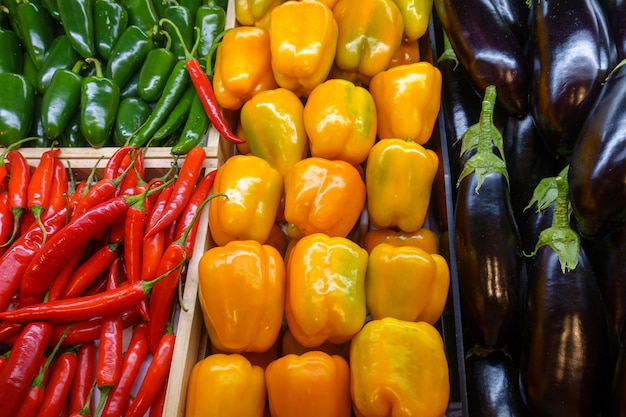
[515, 15]
[617, 402]
[491, 270]
[493, 386]
[571, 52]
[616, 13]
[598, 163]
[488, 49]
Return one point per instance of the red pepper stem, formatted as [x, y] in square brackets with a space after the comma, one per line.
[104, 393]
[181, 240]
[38, 381]
[86, 410]
[135, 199]
[17, 216]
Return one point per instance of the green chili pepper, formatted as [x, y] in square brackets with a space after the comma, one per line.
[110, 21]
[11, 54]
[210, 20]
[60, 56]
[178, 115]
[37, 30]
[99, 100]
[192, 6]
[77, 20]
[195, 129]
[72, 136]
[131, 115]
[183, 19]
[36, 127]
[61, 100]
[52, 6]
[128, 54]
[174, 89]
[141, 13]
[28, 69]
[155, 71]
[17, 103]
[130, 89]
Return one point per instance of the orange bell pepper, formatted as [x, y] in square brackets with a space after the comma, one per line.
[242, 66]
[218, 383]
[340, 121]
[323, 195]
[241, 288]
[289, 344]
[398, 368]
[408, 53]
[313, 384]
[254, 191]
[325, 289]
[423, 238]
[407, 100]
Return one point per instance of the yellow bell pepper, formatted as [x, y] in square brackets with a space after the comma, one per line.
[254, 190]
[423, 238]
[416, 15]
[313, 384]
[404, 282]
[325, 289]
[255, 12]
[241, 288]
[399, 178]
[303, 40]
[340, 121]
[323, 195]
[273, 125]
[242, 66]
[260, 359]
[370, 32]
[289, 345]
[407, 53]
[398, 368]
[218, 383]
[407, 100]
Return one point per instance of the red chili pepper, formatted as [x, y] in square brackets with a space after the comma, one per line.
[187, 178]
[155, 377]
[84, 378]
[6, 221]
[59, 188]
[34, 398]
[19, 178]
[14, 262]
[117, 400]
[137, 167]
[60, 282]
[40, 186]
[114, 164]
[153, 246]
[9, 331]
[89, 271]
[22, 365]
[134, 227]
[157, 407]
[86, 410]
[56, 394]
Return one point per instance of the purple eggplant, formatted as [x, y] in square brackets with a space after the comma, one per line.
[616, 13]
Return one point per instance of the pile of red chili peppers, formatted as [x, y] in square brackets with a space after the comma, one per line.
[82, 262]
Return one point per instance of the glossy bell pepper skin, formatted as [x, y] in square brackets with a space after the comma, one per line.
[184, 20]
[561, 97]
[302, 50]
[210, 20]
[255, 12]
[334, 214]
[36, 30]
[141, 13]
[16, 107]
[110, 19]
[309, 385]
[370, 32]
[61, 100]
[128, 54]
[132, 113]
[423, 238]
[399, 176]
[406, 283]
[416, 16]
[154, 72]
[219, 382]
[11, 55]
[596, 168]
[407, 92]
[77, 18]
[407, 53]
[398, 368]
[242, 66]
[273, 124]
[340, 121]
[254, 191]
[325, 289]
[488, 49]
[60, 56]
[99, 101]
[242, 295]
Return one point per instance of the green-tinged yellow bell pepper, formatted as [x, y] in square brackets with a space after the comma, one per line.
[407, 100]
[423, 238]
[273, 125]
[415, 15]
[254, 190]
[242, 66]
[399, 178]
[241, 288]
[370, 32]
[255, 12]
[303, 40]
[313, 384]
[406, 283]
[219, 382]
[323, 195]
[398, 368]
[325, 289]
[340, 121]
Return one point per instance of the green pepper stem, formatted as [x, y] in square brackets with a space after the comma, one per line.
[97, 66]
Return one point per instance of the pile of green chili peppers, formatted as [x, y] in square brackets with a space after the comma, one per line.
[90, 73]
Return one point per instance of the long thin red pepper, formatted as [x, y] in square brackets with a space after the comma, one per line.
[59, 188]
[40, 186]
[22, 365]
[19, 178]
[9, 331]
[158, 405]
[6, 221]
[155, 377]
[112, 168]
[86, 410]
[153, 246]
[190, 171]
[61, 375]
[117, 400]
[84, 377]
[57, 288]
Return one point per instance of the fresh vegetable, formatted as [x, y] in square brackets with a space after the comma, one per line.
[110, 20]
[61, 100]
[99, 100]
[16, 107]
[77, 18]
